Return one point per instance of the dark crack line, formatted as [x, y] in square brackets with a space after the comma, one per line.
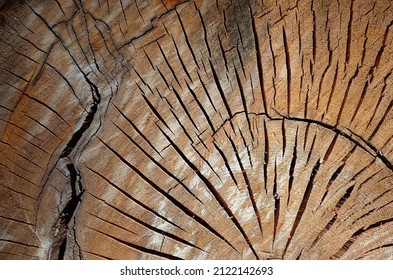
[87, 122]
[366, 146]
[59, 245]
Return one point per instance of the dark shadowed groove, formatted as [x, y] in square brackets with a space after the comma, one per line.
[14, 74]
[18, 192]
[222, 94]
[247, 181]
[272, 52]
[306, 103]
[365, 43]
[107, 221]
[314, 37]
[207, 93]
[226, 162]
[187, 40]
[364, 145]
[364, 91]
[375, 209]
[346, 245]
[123, 12]
[19, 155]
[207, 162]
[18, 243]
[306, 136]
[77, 40]
[25, 131]
[181, 60]
[349, 35]
[15, 164]
[186, 132]
[388, 110]
[375, 109]
[244, 102]
[241, 60]
[333, 89]
[326, 229]
[380, 52]
[284, 139]
[21, 177]
[343, 103]
[276, 198]
[252, 88]
[27, 140]
[147, 226]
[337, 172]
[240, 35]
[87, 121]
[332, 179]
[204, 29]
[369, 178]
[160, 166]
[145, 207]
[174, 201]
[163, 78]
[377, 224]
[324, 71]
[60, 234]
[98, 255]
[288, 67]
[168, 64]
[265, 154]
[155, 112]
[246, 146]
[146, 84]
[17, 221]
[35, 257]
[137, 130]
[386, 246]
[138, 248]
[47, 107]
[330, 148]
[185, 109]
[381, 195]
[208, 119]
[135, 38]
[259, 65]
[344, 198]
[67, 81]
[148, 59]
[213, 191]
[304, 202]
[89, 40]
[292, 166]
[223, 53]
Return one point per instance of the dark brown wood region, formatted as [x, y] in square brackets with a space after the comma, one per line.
[196, 129]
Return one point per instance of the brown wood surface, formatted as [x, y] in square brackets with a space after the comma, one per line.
[196, 129]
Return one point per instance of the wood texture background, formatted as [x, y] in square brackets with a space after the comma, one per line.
[196, 129]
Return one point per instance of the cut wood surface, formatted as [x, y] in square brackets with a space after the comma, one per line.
[196, 129]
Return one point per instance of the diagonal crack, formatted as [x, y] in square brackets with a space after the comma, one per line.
[59, 245]
[87, 122]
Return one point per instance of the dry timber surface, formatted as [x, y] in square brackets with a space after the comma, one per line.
[167, 129]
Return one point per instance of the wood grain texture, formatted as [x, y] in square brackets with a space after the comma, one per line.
[196, 129]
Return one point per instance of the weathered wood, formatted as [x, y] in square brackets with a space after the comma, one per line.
[196, 129]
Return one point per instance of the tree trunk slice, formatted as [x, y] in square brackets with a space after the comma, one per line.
[196, 129]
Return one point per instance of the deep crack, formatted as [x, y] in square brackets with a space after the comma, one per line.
[59, 244]
[87, 122]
